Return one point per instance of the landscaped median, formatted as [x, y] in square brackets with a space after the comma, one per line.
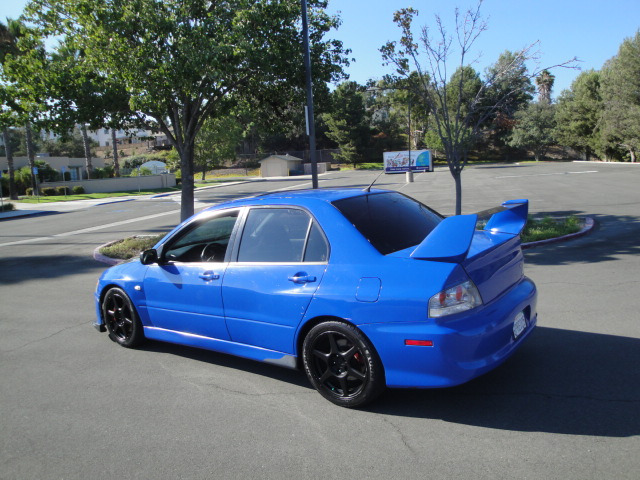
[537, 232]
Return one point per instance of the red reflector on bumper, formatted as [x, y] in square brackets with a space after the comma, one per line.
[419, 343]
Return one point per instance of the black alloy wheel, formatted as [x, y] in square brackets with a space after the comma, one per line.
[342, 365]
[121, 318]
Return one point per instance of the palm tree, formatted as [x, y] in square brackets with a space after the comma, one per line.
[544, 81]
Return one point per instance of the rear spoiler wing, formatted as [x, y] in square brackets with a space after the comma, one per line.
[451, 239]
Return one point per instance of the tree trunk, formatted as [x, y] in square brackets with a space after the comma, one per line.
[632, 152]
[116, 162]
[32, 156]
[457, 177]
[186, 166]
[87, 150]
[13, 194]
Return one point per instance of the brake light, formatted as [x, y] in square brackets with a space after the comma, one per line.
[459, 298]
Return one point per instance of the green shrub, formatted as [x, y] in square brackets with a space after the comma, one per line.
[48, 191]
[78, 190]
[63, 191]
[7, 207]
[29, 191]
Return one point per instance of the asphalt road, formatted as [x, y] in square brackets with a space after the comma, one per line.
[74, 405]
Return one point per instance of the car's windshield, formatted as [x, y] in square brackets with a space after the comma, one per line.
[389, 221]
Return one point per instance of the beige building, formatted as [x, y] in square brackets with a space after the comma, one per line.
[75, 166]
[279, 165]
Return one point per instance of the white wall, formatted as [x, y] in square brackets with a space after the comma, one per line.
[145, 182]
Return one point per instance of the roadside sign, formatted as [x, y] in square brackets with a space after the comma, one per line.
[416, 160]
[35, 170]
[63, 169]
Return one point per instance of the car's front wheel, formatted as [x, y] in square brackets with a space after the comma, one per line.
[121, 318]
[342, 364]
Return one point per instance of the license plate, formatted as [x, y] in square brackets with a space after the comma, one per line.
[519, 325]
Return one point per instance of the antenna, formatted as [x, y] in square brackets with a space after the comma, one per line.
[368, 189]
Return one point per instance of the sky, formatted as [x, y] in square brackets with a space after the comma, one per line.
[591, 30]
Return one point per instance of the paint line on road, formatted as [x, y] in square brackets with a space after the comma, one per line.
[90, 229]
[545, 174]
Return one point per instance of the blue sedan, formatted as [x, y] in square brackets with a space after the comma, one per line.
[362, 289]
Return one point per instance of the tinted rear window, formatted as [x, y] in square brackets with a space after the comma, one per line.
[390, 221]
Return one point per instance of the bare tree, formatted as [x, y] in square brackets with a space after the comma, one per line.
[462, 103]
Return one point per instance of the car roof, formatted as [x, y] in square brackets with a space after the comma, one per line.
[305, 197]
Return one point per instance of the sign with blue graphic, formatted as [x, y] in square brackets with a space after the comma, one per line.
[416, 160]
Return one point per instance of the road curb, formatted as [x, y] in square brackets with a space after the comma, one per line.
[25, 213]
[589, 224]
[103, 258]
[114, 201]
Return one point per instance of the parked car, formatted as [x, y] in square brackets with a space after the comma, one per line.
[362, 289]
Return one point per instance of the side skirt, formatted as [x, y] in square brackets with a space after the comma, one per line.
[223, 346]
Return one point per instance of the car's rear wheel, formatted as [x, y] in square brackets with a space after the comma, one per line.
[121, 318]
[342, 364]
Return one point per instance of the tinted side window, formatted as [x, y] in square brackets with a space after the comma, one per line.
[317, 248]
[389, 221]
[274, 235]
[206, 242]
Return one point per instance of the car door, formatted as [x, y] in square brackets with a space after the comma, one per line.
[279, 263]
[183, 292]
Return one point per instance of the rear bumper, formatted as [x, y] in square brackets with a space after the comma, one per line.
[464, 346]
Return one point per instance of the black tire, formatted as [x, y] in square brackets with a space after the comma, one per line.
[342, 364]
[121, 319]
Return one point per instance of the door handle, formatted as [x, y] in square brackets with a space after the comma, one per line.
[209, 276]
[302, 277]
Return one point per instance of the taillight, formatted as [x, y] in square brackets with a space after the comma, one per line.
[456, 299]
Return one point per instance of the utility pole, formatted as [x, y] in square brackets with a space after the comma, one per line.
[311, 126]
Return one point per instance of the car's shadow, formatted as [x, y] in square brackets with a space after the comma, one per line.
[561, 381]
[294, 377]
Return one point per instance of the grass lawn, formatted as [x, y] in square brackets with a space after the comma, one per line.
[130, 247]
[547, 227]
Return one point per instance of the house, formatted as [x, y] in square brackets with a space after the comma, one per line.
[75, 166]
[280, 165]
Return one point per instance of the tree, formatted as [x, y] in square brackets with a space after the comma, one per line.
[534, 128]
[217, 142]
[348, 122]
[620, 122]
[70, 145]
[81, 95]
[578, 112]
[544, 81]
[183, 61]
[516, 89]
[459, 114]
[21, 59]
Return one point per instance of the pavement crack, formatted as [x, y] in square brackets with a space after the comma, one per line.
[401, 435]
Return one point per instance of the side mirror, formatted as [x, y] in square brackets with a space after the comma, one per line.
[149, 256]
